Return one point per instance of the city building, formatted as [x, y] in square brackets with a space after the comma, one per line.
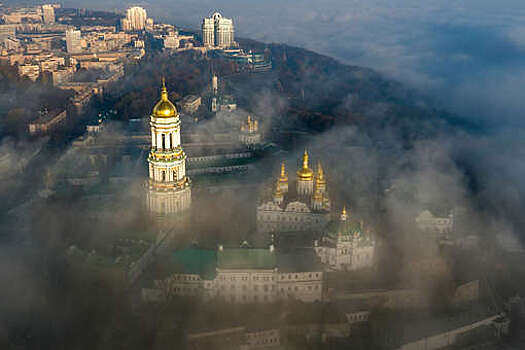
[242, 275]
[218, 31]
[135, 20]
[48, 14]
[62, 76]
[303, 207]
[31, 71]
[7, 31]
[47, 122]
[346, 245]
[73, 41]
[168, 186]
[23, 15]
[190, 104]
[171, 41]
[253, 61]
[250, 135]
[441, 225]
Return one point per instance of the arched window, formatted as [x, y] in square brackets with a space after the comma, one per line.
[163, 175]
[163, 141]
[174, 175]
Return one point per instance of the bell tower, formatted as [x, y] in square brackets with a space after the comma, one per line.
[169, 190]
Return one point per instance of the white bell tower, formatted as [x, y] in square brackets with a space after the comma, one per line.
[169, 190]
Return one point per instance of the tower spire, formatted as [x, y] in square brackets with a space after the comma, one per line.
[283, 171]
[320, 172]
[305, 159]
[164, 91]
[344, 215]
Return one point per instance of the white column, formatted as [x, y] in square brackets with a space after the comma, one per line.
[159, 140]
[168, 140]
[153, 138]
[177, 138]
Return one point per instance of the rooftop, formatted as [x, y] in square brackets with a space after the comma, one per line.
[246, 258]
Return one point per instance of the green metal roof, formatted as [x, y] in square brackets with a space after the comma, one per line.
[195, 261]
[246, 258]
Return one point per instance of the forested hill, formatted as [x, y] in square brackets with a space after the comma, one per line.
[307, 91]
[324, 92]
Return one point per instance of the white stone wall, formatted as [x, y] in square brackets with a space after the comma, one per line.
[304, 286]
[346, 256]
[263, 339]
[426, 221]
[295, 217]
[244, 286]
[248, 286]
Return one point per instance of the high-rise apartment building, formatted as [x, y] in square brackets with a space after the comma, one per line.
[48, 14]
[136, 18]
[73, 41]
[218, 31]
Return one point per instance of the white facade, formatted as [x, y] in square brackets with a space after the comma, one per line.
[248, 282]
[31, 71]
[136, 18]
[218, 31]
[263, 338]
[208, 32]
[296, 216]
[48, 14]
[426, 221]
[74, 41]
[171, 41]
[346, 246]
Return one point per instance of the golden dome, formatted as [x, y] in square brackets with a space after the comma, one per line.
[305, 173]
[164, 108]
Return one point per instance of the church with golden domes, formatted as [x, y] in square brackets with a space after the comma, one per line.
[168, 187]
[302, 205]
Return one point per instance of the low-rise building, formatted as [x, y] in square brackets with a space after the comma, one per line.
[31, 71]
[428, 222]
[171, 41]
[46, 122]
[190, 104]
[243, 275]
[62, 76]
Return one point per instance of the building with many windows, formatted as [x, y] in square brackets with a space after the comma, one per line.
[48, 14]
[303, 207]
[136, 18]
[73, 41]
[218, 31]
[243, 275]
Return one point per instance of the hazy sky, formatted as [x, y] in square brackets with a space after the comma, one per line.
[470, 54]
